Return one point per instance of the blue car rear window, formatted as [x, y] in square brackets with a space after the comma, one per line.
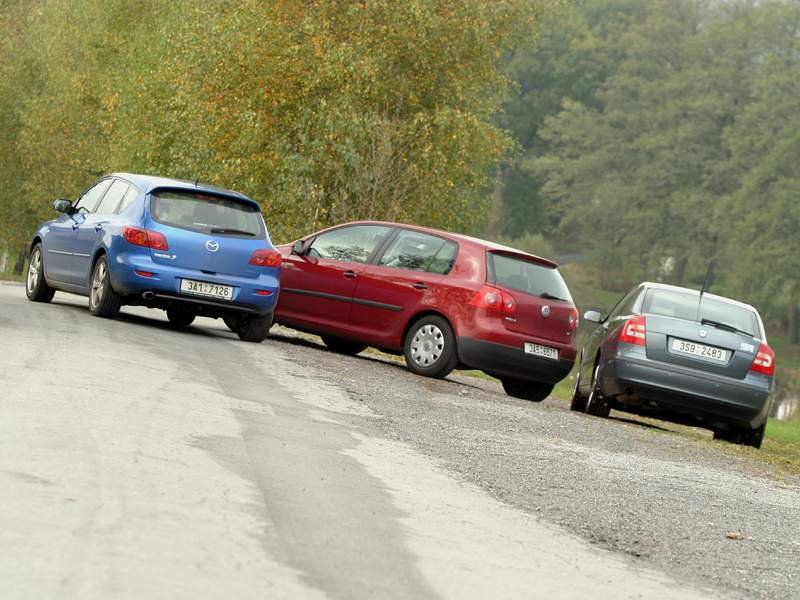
[207, 213]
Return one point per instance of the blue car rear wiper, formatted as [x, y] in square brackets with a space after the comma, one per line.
[233, 231]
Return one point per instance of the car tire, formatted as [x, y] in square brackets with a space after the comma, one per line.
[103, 300]
[578, 402]
[534, 391]
[254, 328]
[343, 346]
[36, 287]
[596, 404]
[430, 347]
[232, 323]
[744, 437]
[180, 317]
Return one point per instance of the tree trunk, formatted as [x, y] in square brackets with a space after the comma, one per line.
[680, 270]
[18, 266]
[493, 227]
[792, 321]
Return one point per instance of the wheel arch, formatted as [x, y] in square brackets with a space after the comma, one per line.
[101, 251]
[37, 239]
[428, 312]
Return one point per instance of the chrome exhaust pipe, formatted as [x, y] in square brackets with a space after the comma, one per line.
[148, 295]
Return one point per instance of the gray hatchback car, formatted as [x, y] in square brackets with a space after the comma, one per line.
[679, 355]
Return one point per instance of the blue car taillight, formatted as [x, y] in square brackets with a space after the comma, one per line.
[266, 258]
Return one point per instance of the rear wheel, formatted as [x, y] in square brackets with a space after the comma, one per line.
[36, 287]
[430, 347]
[253, 328]
[534, 391]
[180, 317]
[596, 404]
[232, 323]
[343, 346]
[103, 300]
[744, 437]
[578, 403]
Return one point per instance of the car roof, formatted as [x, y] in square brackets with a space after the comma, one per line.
[148, 183]
[666, 286]
[461, 237]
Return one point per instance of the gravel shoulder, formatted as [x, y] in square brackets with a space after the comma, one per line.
[666, 498]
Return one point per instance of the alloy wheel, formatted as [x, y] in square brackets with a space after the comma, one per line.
[34, 268]
[98, 284]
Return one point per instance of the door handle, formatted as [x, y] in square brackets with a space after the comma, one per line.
[419, 285]
[350, 274]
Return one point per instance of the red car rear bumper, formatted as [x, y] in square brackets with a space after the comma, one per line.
[501, 360]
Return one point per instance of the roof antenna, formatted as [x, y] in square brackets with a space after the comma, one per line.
[195, 181]
[706, 284]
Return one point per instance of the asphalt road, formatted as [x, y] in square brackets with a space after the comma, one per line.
[137, 461]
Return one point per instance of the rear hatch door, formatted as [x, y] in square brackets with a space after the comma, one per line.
[723, 340]
[210, 233]
[544, 306]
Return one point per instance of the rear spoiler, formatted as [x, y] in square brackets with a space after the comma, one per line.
[204, 192]
[519, 255]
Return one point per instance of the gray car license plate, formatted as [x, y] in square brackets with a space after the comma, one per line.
[678, 346]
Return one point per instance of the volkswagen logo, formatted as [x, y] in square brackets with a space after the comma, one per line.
[212, 246]
[545, 311]
[703, 333]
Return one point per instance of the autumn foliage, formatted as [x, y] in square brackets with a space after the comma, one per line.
[323, 111]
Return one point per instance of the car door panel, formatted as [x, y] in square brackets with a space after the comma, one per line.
[317, 292]
[317, 288]
[59, 245]
[404, 280]
[386, 298]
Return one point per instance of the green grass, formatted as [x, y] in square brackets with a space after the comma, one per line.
[9, 276]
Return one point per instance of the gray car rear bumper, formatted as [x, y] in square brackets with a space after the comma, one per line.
[711, 397]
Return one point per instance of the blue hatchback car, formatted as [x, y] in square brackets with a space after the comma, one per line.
[187, 248]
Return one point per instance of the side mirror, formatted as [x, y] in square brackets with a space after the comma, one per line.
[594, 316]
[299, 248]
[63, 205]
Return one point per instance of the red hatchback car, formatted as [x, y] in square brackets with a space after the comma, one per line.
[441, 299]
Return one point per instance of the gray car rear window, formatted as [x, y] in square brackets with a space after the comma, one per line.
[683, 305]
[207, 213]
[526, 276]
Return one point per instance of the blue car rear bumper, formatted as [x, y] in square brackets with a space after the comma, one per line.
[165, 282]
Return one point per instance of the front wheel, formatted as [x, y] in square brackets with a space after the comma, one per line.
[342, 346]
[36, 287]
[254, 329]
[578, 403]
[596, 404]
[103, 300]
[527, 390]
[430, 347]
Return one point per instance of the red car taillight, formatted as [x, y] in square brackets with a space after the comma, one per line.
[266, 258]
[145, 238]
[573, 319]
[496, 302]
[633, 331]
[764, 362]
